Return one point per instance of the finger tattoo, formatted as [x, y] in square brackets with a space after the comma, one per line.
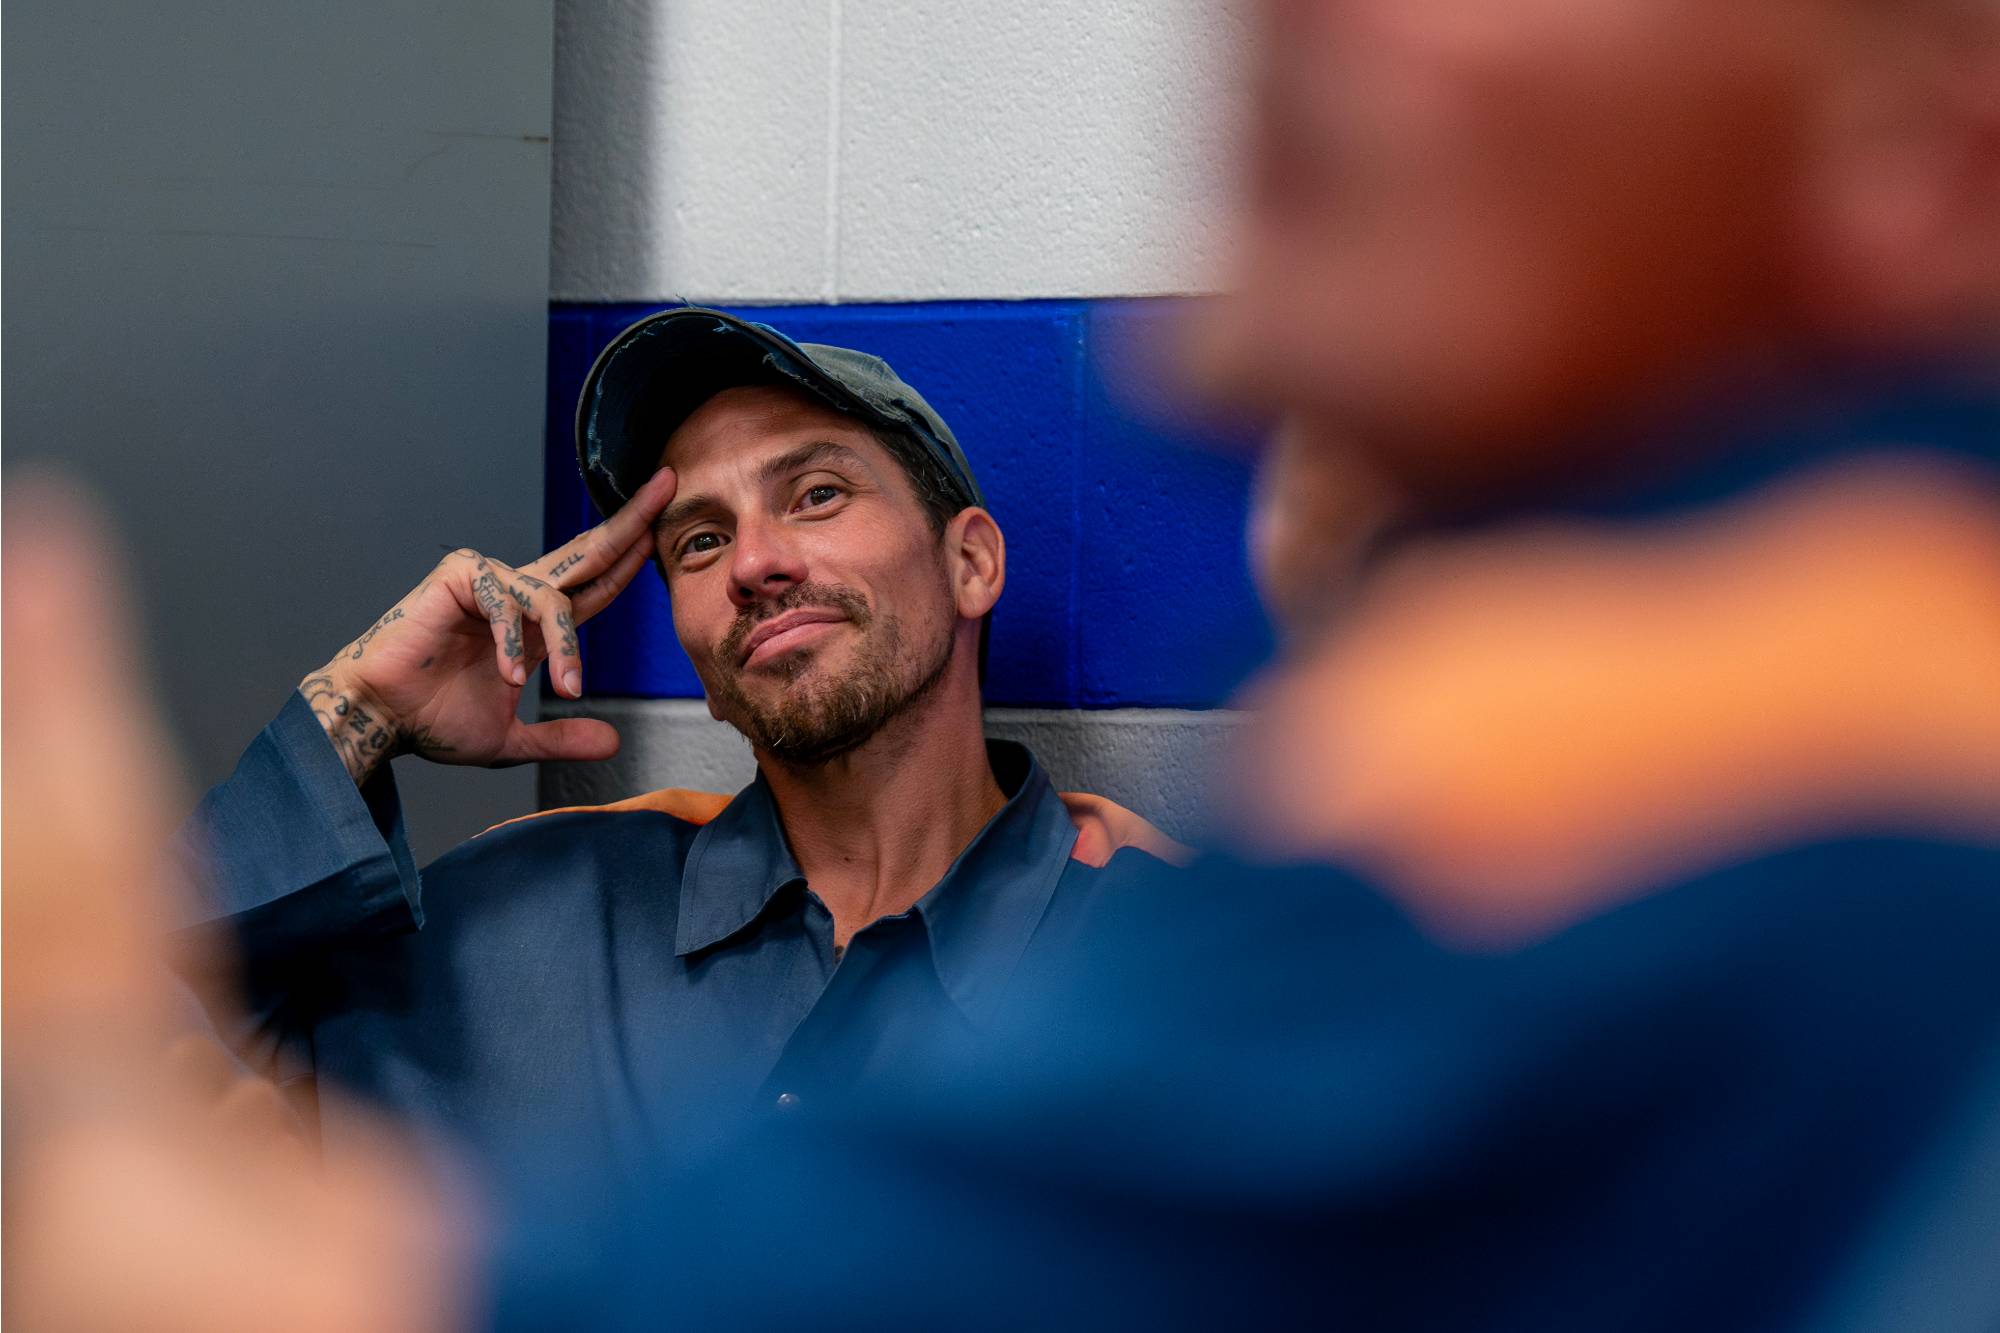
[486, 591]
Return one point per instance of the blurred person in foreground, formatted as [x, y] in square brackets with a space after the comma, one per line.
[1608, 939]
[150, 1184]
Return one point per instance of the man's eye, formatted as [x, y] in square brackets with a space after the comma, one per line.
[819, 495]
[701, 543]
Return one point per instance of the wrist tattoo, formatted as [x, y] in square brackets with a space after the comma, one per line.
[361, 739]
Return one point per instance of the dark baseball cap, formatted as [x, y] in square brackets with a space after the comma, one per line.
[658, 372]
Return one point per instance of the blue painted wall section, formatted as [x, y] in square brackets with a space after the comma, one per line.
[1127, 583]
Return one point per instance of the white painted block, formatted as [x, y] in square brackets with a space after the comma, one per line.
[693, 149]
[1034, 148]
[861, 150]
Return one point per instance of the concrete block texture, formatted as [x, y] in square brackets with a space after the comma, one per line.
[1157, 761]
[858, 150]
[692, 150]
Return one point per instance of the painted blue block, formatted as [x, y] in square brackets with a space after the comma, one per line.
[1126, 579]
[1166, 612]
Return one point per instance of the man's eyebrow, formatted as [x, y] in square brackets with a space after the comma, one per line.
[683, 511]
[818, 451]
[686, 510]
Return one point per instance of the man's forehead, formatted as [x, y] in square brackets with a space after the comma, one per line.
[753, 420]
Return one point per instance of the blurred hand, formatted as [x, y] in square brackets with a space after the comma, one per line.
[441, 673]
[149, 1187]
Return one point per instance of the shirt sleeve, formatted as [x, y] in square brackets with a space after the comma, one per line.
[290, 857]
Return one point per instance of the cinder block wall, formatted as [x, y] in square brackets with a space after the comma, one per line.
[996, 199]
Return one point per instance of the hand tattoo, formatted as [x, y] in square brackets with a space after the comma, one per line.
[361, 644]
[425, 742]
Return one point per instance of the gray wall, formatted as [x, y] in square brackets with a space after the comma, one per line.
[276, 282]
[1160, 762]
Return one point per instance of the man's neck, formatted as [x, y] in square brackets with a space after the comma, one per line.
[875, 828]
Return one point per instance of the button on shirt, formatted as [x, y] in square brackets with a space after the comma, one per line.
[598, 985]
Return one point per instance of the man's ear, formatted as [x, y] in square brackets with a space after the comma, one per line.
[976, 555]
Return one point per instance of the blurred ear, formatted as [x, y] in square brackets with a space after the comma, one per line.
[1910, 177]
[977, 558]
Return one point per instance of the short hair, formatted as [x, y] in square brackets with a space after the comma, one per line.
[937, 493]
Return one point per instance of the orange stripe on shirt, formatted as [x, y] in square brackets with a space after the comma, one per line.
[1103, 827]
[693, 807]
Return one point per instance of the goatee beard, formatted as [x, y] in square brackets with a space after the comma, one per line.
[814, 721]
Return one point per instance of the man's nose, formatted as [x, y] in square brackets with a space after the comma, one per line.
[764, 563]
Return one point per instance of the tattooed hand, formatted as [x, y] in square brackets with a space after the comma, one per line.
[440, 674]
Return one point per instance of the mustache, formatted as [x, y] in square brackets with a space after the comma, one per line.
[827, 596]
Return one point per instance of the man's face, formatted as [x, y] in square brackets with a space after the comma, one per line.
[1473, 224]
[809, 588]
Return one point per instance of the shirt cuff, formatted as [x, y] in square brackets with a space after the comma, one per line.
[293, 856]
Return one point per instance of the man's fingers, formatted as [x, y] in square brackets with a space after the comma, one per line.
[555, 618]
[558, 624]
[599, 593]
[574, 738]
[589, 555]
[499, 602]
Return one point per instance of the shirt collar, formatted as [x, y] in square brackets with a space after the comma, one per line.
[736, 865]
[979, 916]
[982, 913]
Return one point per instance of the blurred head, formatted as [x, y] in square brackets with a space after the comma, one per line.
[819, 586]
[1475, 232]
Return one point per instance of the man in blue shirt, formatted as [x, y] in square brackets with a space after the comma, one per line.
[594, 980]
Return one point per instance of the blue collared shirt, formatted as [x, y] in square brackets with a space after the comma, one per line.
[598, 983]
